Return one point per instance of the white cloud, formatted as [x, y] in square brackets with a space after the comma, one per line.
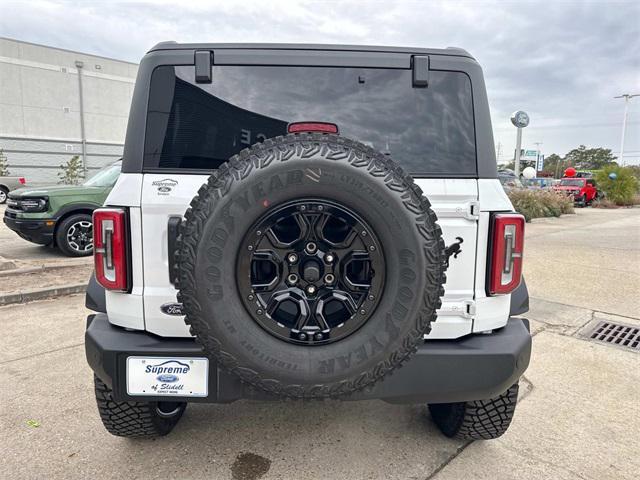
[561, 61]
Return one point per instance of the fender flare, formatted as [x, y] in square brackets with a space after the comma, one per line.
[519, 300]
[67, 209]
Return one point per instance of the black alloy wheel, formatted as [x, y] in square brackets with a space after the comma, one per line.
[313, 274]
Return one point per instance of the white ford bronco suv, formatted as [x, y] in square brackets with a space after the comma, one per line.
[300, 222]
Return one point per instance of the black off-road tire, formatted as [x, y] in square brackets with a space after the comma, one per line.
[583, 201]
[476, 420]
[62, 229]
[285, 169]
[136, 419]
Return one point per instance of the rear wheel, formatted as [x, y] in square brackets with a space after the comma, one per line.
[74, 235]
[476, 420]
[3, 195]
[583, 201]
[136, 419]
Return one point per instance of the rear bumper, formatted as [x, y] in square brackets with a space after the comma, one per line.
[472, 368]
[36, 231]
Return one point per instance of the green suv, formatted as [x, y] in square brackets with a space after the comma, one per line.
[60, 215]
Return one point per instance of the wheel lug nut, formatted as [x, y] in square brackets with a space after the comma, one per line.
[292, 279]
[292, 258]
[371, 297]
[259, 311]
[329, 278]
[250, 297]
[318, 336]
[329, 258]
[311, 247]
[372, 248]
[311, 289]
[363, 312]
[302, 336]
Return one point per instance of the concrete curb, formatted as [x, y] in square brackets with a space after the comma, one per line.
[6, 264]
[39, 268]
[41, 293]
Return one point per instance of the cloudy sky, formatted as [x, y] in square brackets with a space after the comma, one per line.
[561, 61]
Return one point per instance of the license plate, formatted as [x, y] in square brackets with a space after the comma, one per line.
[168, 376]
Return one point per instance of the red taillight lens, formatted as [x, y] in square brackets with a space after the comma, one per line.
[322, 127]
[505, 269]
[22, 181]
[110, 248]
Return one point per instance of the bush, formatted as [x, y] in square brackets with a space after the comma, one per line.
[606, 203]
[621, 190]
[540, 203]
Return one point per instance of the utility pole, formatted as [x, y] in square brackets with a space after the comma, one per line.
[498, 151]
[79, 66]
[626, 97]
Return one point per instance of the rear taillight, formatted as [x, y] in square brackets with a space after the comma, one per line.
[505, 263]
[22, 181]
[110, 248]
[322, 127]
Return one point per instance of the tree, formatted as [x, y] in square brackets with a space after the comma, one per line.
[589, 158]
[621, 189]
[71, 171]
[4, 164]
[553, 164]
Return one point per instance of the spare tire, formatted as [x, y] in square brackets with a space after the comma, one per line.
[310, 266]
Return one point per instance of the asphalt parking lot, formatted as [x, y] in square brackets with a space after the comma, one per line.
[577, 417]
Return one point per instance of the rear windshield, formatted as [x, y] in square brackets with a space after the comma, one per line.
[429, 131]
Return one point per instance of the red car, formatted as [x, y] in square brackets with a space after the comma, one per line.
[583, 190]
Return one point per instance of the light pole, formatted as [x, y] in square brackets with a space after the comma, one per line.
[519, 120]
[79, 66]
[626, 97]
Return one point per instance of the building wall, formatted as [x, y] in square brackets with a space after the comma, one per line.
[40, 108]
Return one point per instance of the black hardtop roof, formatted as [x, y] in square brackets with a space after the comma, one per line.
[450, 51]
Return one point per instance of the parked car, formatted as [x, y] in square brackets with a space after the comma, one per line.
[540, 182]
[9, 183]
[582, 190]
[60, 215]
[508, 180]
[265, 239]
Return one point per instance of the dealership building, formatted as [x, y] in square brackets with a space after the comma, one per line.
[57, 103]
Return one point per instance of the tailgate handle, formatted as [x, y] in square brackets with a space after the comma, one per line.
[173, 230]
[420, 67]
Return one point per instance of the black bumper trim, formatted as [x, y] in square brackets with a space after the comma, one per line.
[36, 231]
[471, 368]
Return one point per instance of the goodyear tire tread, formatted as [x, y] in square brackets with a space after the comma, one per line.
[338, 149]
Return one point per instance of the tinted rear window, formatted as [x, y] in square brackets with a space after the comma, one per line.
[429, 131]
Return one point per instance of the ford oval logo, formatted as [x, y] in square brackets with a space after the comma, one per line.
[167, 378]
[164, 189]
[172, 309]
